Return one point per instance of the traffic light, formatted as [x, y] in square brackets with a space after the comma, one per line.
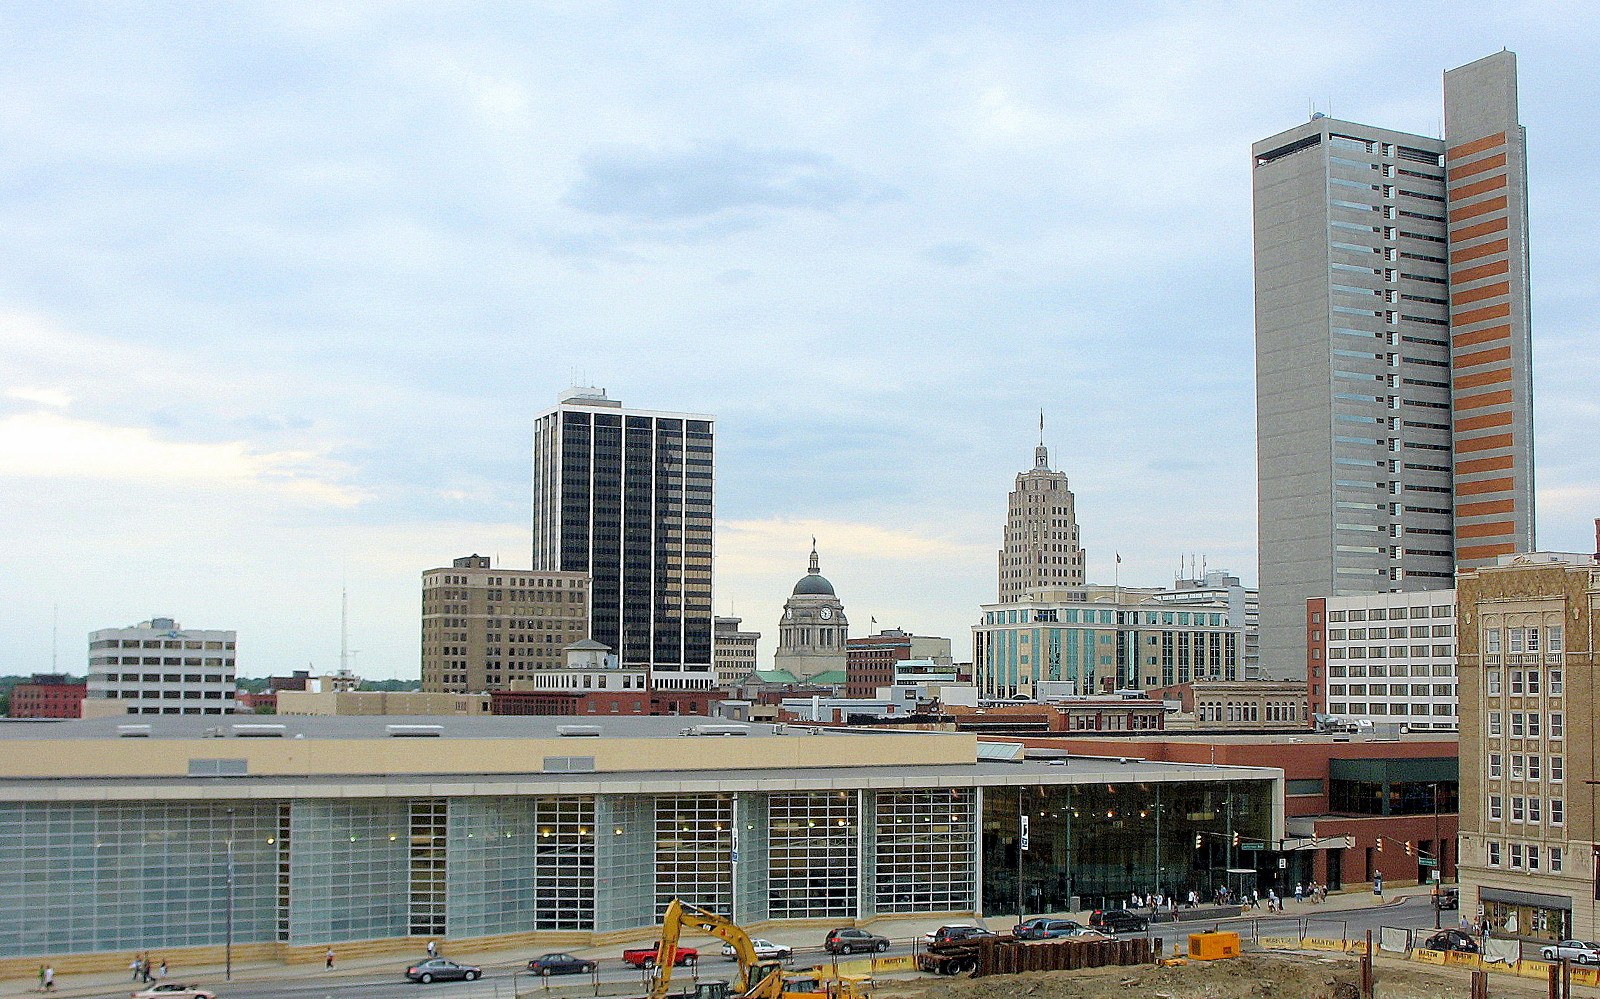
[1380, 844]
[1408, 848]
[1235, 841]
[1199, 841]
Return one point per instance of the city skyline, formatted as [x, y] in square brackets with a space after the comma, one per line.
[245, 313]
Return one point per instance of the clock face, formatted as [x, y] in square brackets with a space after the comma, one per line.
[827, 612]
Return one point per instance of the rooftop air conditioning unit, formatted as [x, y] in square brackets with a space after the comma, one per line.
[133, 731]
[717, 730]
[259, 731]
[414, 731]
[578, 731]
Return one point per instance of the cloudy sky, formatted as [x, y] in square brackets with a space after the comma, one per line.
[283, 285]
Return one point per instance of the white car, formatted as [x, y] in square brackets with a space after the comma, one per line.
[766, 950]
[1572, 950]
[174, 990]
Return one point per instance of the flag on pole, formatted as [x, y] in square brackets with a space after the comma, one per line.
[1119, 558]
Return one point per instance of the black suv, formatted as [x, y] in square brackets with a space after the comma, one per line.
[849, 940]
[1042, 928]
[957, 934]
[1118, 921]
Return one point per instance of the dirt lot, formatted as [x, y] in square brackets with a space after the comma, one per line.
[1285, 976]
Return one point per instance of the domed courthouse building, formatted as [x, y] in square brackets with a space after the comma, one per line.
[812, 633]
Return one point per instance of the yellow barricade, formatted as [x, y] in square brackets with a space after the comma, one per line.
[1322, 943]
[1357, 947]
[1586, 976]
[1459, 960]
[860, 966]
[1428, 956]
[1533, 969]
[1279, 943]
[904, 962]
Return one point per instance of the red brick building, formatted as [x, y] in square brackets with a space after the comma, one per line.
[49, 695]
[603, 702]
[1343, 797]
[869, 660]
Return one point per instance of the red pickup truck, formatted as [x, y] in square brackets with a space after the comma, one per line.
[645, 957]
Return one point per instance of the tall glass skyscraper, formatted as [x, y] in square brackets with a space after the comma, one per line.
[627, 496]
[1394, 392]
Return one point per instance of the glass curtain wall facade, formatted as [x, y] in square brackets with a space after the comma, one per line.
[90, 877]
[1100, 842]
[813, 860]
[628, 498]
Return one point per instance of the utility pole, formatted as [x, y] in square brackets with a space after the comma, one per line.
[1159, 890]
[1022, 846]
[1438, 863]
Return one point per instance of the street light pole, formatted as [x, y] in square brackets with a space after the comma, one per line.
[1438, 864]
[1022, 845]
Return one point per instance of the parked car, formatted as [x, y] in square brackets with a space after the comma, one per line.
[766, 950]
[1451, 940]
[645, 957]
[441, 969]
[1043, 928]
[561, 964]
[1085, 933]
[1118, 921]
[955, 933]
[1572, 950]
[849, 940]
[1447, 898]
[174, 990]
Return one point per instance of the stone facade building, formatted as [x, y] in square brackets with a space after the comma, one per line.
[813, 631]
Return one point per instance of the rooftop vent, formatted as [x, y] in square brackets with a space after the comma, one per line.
[578, 731]
[414, 731]
[259, 730]
[717, 730]
[133, 731]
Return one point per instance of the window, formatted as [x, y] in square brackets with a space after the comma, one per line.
[1533, 857]
[1533, 725]
[1492, 682]
[1516, 766]
[1557, 725]
[1494, 808]
[1494, 854]
[1494, 766]
[1554, 639]
[1533, 641]
[1533, 683]
[1516, 724]
[1555, 860]
[1518, 811]
[1516, 856]
[1514, 640]
[1535, 810]
[1555, 683]
[1516, 682]
[1534, 766]
[1494, 723]
[1557, 769]
[1558, 812]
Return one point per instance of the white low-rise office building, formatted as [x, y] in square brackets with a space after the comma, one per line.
[1384, 658]
[157, 667]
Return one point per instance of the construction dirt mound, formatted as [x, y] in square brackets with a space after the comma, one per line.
[1284, 976]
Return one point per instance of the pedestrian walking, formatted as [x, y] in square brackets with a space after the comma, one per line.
[133, 966]
[49, 978]
[433, 950]
[330, 958]
[163, 972]
[1299, 892]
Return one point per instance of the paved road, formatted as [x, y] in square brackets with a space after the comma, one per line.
[503, 981]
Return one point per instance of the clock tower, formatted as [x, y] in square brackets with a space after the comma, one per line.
[812, 633]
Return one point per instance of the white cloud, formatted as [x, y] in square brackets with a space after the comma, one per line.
[42, 396]
[50, 446]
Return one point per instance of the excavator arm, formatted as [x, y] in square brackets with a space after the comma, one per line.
[757, 979]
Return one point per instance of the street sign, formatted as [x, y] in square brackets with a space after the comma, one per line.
[1252, 846]
[1024, 832]
[1428, 861]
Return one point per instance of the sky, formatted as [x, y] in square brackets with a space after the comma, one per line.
[283, 286]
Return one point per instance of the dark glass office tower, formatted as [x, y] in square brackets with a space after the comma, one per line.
[626, 496]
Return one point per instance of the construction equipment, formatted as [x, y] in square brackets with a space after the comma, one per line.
[757, 979]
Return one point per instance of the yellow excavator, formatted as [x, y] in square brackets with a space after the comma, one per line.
[757, 979]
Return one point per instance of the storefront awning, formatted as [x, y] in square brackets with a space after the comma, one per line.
[1534, 898]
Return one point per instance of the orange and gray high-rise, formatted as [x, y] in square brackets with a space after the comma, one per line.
[1394, 382]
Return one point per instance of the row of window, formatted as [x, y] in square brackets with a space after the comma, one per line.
[1532, 767]
[1442, 710]
[1527, 723]
[1415, 631]
[1392, 690]
[1523, 683]
[1525, 856]
[1391, 613]
[1390, 651]
[1520, 640]
[1394, 669]
[1529, 811]
[168, 643]
[162, 677]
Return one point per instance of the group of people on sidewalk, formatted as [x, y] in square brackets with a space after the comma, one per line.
[144, 971]
[1158, 902]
